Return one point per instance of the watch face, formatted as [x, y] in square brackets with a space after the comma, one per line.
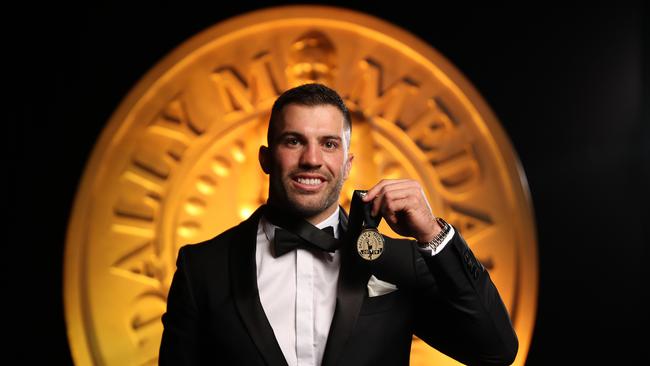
[370, 244]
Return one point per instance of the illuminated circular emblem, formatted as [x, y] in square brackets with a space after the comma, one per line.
[370, 244]
[177, 164]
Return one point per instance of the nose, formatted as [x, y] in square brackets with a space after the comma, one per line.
[311, 156]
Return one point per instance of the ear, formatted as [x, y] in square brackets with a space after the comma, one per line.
[348, 166]
[264, 157]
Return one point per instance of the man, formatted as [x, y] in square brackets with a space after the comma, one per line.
[243, 298]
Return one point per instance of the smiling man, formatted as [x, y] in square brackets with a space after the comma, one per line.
[285, 286]
[308, 157]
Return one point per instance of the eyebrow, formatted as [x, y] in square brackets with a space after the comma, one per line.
[298, 134]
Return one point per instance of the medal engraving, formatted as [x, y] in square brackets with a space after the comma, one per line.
[370, 244]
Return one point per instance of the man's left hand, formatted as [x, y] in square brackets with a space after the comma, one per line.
[402, 203]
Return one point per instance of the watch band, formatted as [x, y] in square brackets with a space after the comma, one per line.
[439, 238]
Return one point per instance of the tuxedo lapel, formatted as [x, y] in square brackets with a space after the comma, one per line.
[350, 293]
[246, 294]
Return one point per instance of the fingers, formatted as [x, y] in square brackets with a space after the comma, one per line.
[388, 184]
[394, 188]
[385, 202]
[403, 203]
[392, 205]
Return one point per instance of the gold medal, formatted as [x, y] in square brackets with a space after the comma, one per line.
[370, 244]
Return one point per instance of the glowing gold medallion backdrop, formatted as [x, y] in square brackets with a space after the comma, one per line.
[177, 164]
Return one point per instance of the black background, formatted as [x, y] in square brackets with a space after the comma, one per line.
[569, 85]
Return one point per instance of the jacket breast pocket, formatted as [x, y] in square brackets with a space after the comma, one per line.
[379, 304]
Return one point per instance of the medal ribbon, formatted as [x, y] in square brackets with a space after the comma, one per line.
[358, 207]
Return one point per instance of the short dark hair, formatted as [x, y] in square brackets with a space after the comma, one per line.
[308, 95]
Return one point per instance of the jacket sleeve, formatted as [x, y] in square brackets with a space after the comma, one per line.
[179, 345]
[459, 310]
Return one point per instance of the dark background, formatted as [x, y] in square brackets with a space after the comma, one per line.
[569, 85]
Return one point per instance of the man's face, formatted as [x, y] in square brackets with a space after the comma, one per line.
[308, 161]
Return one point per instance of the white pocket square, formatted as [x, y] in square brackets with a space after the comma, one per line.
[377, 287]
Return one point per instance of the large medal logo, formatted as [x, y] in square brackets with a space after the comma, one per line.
[177, 164]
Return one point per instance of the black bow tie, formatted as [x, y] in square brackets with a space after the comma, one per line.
[297, 230]
[286, 241]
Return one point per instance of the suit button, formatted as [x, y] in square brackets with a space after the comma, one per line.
[466, 255]
[477, 272]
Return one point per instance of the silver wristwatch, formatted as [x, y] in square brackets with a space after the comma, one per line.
[439, 238]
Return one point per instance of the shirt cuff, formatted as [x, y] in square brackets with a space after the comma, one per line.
[429, 251]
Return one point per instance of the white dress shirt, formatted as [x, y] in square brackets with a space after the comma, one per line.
[298, 293]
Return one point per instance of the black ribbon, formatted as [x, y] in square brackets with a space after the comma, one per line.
[298, 232]
[365, 208]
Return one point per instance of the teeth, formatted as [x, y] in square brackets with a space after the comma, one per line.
[312, 181]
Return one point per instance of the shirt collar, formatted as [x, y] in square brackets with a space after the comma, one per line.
[332, 220]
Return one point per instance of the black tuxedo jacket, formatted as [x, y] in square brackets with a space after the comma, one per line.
[215, 317]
